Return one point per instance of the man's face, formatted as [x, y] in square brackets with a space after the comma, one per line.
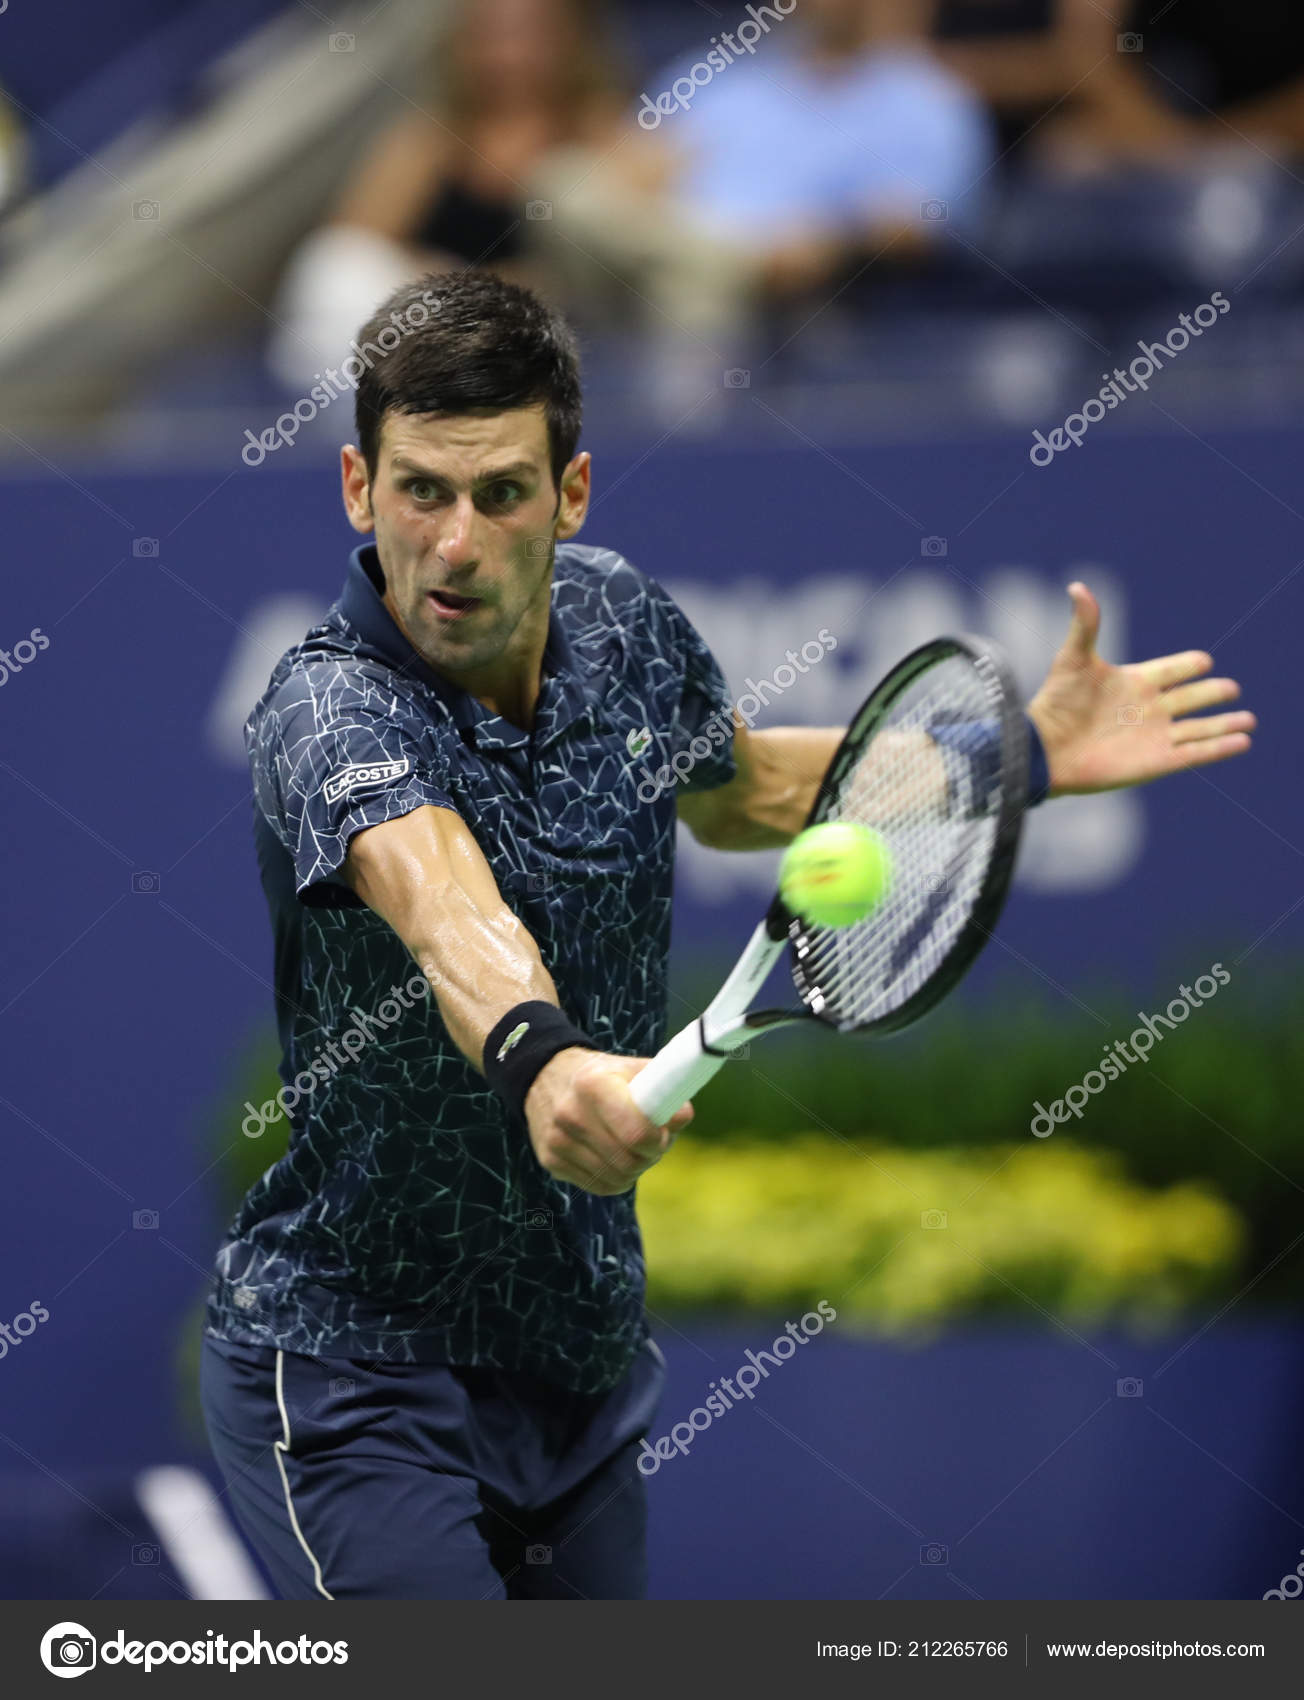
[465, 514]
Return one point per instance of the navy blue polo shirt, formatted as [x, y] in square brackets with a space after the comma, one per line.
[410, 1218]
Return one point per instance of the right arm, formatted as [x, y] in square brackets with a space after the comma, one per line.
[425, 875]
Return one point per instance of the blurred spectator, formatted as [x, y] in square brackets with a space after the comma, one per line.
[449, 187]
[841, 134]
[85, 76]
[13, 157]
[1121, 82]
[1024, 56]
[803, 143]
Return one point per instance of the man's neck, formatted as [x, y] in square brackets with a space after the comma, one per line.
[510, 686]
[515, 696]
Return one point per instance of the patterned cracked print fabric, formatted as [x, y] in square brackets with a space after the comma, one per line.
[409, 1218]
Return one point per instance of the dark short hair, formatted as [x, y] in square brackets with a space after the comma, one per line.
[465, 342]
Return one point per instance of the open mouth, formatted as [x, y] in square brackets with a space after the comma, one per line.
[449, 606]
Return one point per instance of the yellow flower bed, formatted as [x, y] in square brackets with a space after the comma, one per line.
[907, 1241]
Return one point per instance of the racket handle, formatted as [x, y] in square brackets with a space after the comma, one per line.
[678, 1070]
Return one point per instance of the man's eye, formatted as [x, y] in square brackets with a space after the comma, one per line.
[422, 489]
[504, 493]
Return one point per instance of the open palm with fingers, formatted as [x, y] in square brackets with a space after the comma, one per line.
[1107, 726]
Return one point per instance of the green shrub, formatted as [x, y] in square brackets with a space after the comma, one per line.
[902, 1241]
[1218, 1101]
[1181, 1181]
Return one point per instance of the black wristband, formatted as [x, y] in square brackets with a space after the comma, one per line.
[518, 1046]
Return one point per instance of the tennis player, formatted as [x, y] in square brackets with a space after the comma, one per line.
[426, 1367]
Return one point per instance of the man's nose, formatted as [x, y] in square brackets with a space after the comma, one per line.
[457, 542]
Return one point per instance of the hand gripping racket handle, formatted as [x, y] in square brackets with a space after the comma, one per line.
[679, 1069]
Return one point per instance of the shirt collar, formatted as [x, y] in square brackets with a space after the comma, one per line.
[563, 697]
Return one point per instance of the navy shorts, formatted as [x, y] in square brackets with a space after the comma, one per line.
[361, 1479]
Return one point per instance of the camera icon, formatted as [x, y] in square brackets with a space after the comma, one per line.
[146, 211]
[539, 547]
[340, 1386]
[933, 882]
[932, 1219]
[145, 548]
[538, 882]
[934, 1553]
[145, 883]
[145, 1552]
[71, 1653]
[933, 548]
[342, 43]
[934, 211]
[538, 209]
[1131, 43]
[538, 1555]
[1130, 1387]
[1130, 715]
[738, 378]
[538, 1218]
[144, 1219]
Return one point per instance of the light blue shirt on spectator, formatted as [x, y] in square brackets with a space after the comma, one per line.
[775, 146]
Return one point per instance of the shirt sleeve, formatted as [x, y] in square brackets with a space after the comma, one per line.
[703, 729]
[916, 149]
[334, 751]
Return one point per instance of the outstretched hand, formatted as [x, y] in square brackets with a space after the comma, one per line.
[1108, 726]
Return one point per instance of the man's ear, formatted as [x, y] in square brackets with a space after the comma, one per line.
[356, 488]
[573, 501]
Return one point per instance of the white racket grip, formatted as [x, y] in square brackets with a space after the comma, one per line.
[678, 1070]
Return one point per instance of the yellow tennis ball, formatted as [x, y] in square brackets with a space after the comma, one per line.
[835, 874]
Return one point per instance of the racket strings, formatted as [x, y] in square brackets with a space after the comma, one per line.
[928, 781]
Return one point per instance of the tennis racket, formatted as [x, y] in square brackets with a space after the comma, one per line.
[936, 762]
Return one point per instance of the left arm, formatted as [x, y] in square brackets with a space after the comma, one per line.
[1103, 727]
[768, 801]
[765, 805]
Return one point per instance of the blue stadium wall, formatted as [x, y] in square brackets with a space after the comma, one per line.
[137, 960]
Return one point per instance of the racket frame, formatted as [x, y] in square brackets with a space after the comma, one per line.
[981, 922]
[696, 1053]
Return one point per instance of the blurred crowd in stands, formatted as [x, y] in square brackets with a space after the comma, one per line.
[702, 182]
